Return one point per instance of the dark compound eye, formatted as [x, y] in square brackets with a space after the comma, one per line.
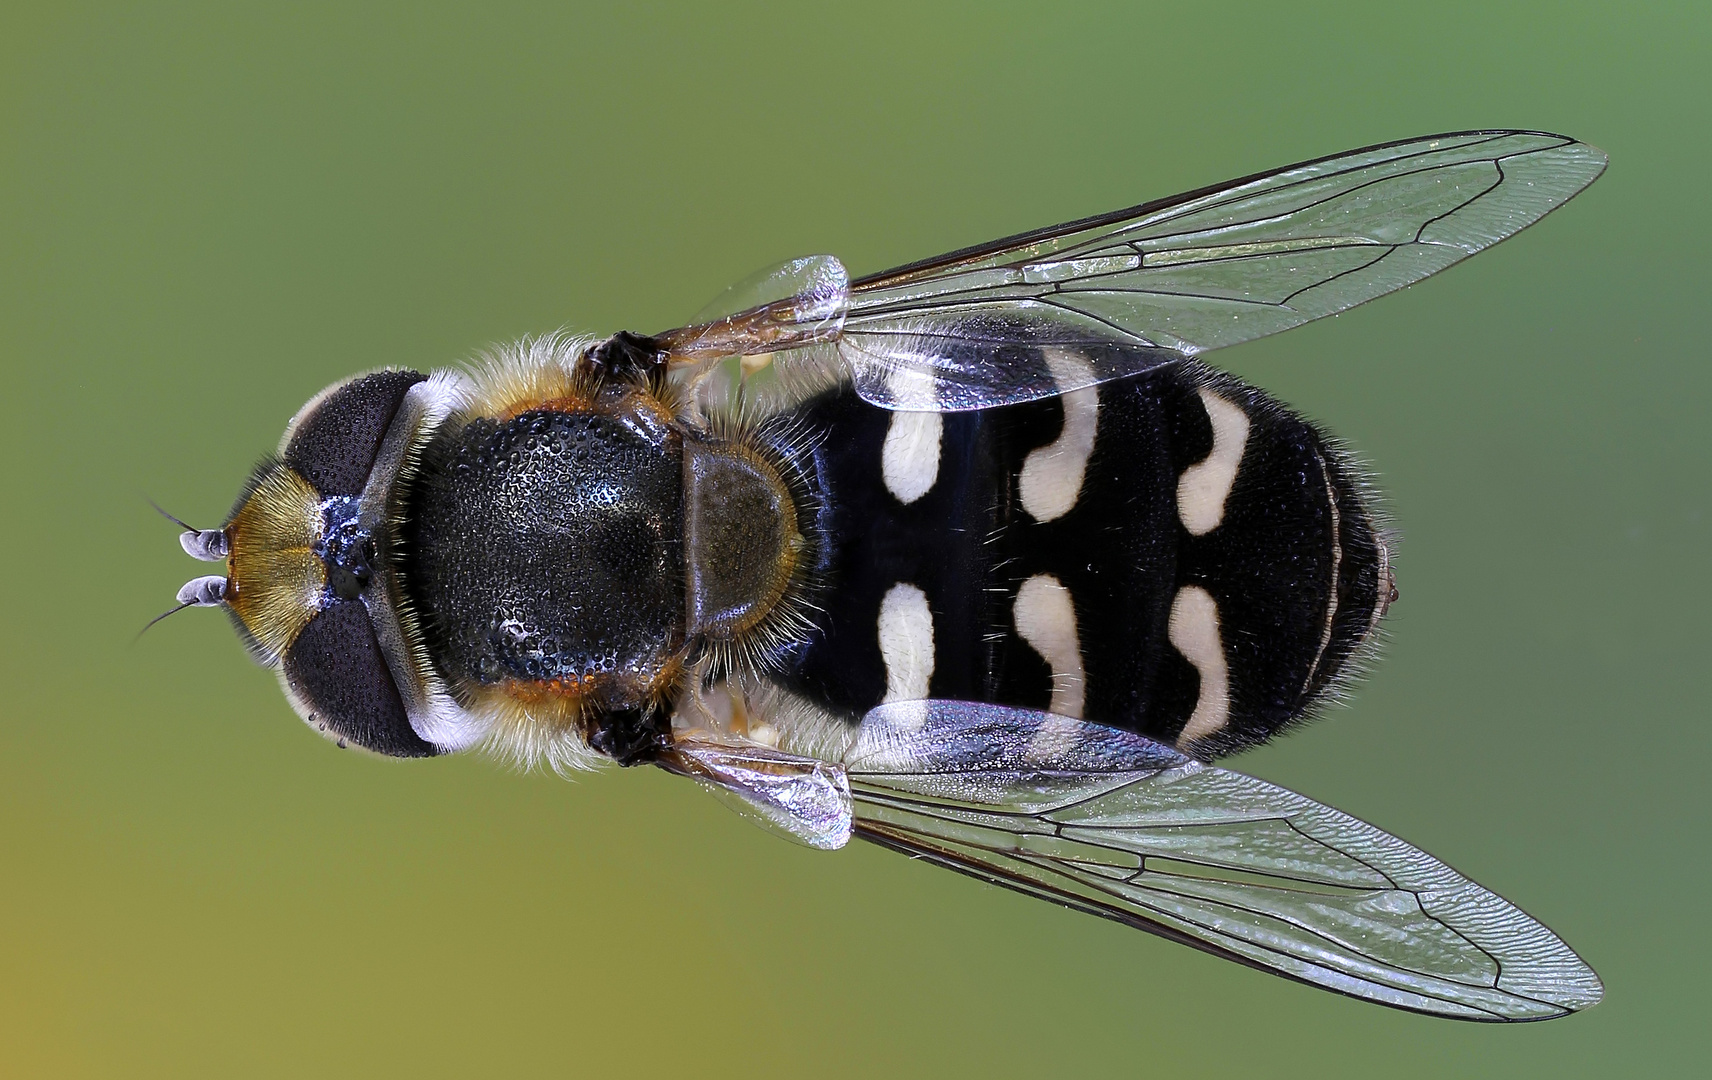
[336, 669]
[335, 443]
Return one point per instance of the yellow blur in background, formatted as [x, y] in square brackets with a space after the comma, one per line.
[208, 213]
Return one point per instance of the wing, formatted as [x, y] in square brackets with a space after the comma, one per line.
[1129, 290]
[802, 798]
[796, 303]
[1112, 823]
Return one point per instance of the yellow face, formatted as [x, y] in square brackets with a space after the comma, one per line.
[275, 578]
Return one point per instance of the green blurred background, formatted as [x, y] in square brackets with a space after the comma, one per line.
[208, 212]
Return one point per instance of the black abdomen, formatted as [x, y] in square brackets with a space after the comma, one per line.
[1175, 554]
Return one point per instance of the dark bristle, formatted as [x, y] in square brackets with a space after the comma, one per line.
[162, 615]
[263, 467]
[176, 521]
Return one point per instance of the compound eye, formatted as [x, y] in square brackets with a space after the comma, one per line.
[340, 679]
[336, 437]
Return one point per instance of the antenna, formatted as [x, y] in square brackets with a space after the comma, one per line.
[207, 545]
[207, 591]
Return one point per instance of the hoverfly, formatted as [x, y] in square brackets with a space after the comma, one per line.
[973, 559]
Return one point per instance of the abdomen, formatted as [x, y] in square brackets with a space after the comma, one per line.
[1175, 554]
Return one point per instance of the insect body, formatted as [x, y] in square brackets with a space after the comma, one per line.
[1098, 555]
[973, 559]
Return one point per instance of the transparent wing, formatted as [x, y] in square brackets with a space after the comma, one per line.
[1126, 291]
[1118, 825]
[805, 799]
[788, 306]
